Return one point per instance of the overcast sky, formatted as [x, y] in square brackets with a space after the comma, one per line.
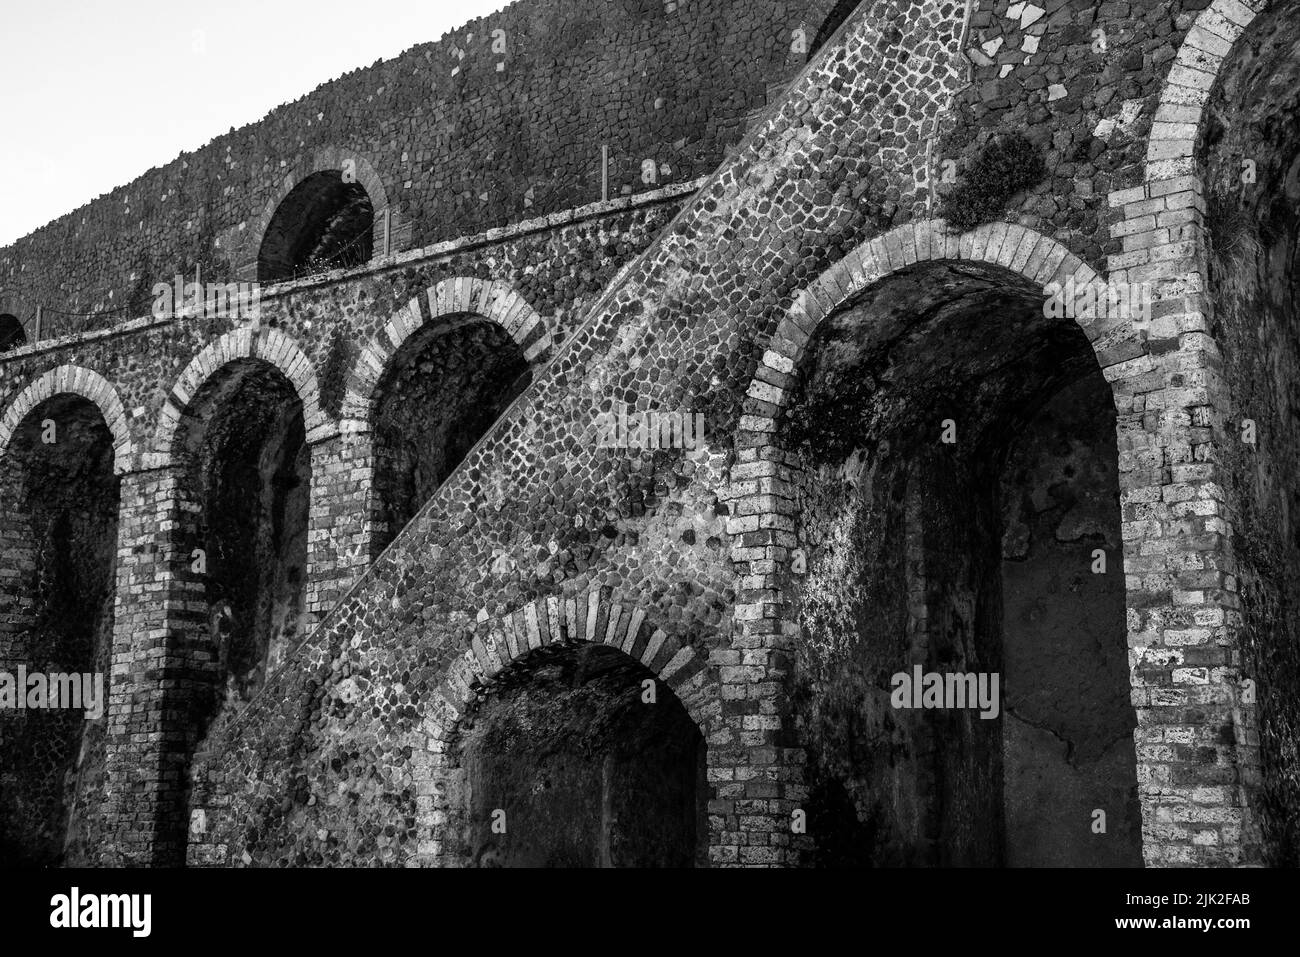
[95, 92]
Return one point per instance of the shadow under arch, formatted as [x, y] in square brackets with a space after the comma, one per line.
[948, 443]
[324, 215]
[580, 692]
[579, 757]
[839, 13]
[59, 502]
[12, 333]
[239, 446]
[431, 384]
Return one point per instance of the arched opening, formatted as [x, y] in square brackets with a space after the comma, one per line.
[839, 13]
[324, 223]
[1249, 148]
[243, 541]
[12, 334]
[578, 756]
[442, 391]
[58, 545]
[957, 480]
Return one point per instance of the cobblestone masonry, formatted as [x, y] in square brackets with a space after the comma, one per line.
[697, 297]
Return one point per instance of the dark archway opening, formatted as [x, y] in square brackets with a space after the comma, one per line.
[971, 556]
[567, 763]
[58, 539]
[12, 334]
[243, 543]
[1249, 148]
[839, 13]
[324, 223]
[442, 392]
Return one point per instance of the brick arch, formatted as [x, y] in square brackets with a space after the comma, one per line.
[1140, 364]
[90, 385]
[1038, 258]
[1162, 230]
[1026, 252]
[1156, 219]
[494, 301]
[1188, 85]
[329, 158]
[269, 345]
[588, 618]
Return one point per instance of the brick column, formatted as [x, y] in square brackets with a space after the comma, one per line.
[1197, 744]
[340, 522]
[157, 613]
[758, 778]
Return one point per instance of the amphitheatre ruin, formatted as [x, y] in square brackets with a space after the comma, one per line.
[372, 578]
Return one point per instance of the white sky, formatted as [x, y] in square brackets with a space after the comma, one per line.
[95, 92]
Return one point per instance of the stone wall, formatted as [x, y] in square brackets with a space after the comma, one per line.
[551, 490]
[168, 652]
[808, 301]
[1068, 733]
[449, 138]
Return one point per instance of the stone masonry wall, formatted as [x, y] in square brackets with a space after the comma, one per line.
[700, 298]
[450, 138]
[163, 659]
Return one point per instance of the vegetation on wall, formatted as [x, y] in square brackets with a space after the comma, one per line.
[1005, 166]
